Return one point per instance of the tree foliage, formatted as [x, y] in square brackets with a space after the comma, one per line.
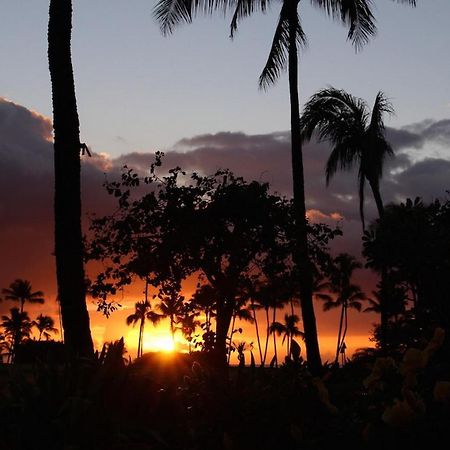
[231, 235]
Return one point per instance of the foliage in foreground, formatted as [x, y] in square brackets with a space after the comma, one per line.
[181, 404]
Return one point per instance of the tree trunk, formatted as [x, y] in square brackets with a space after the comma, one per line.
[172, 329]
[301, 256]
[377, 197]
[338, 347]
[223, 320]
[266, 344]
[141, 335]
[233, 321]
[275, 338]
[384, 316]
[67, 201]
[257, 332]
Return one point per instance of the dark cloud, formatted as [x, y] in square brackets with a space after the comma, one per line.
[26, 184]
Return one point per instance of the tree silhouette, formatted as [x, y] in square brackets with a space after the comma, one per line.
[17, 327]
[288, 37]
[22, 292]
[412, 241]
[67, 201]
[288, 329]
[171, 304]
[220, 229]
[357, 137]
[348, 295]
[188, 322]
[142, 312]
[45, 326]
[243, 313]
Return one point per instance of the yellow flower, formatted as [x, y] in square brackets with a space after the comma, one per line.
[413, 360]
[324, 396]
[441, 391]
[398, 415]
[436, 342]
[381, 368]
[404, 412]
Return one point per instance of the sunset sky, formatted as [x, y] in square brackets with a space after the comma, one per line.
[195, 96]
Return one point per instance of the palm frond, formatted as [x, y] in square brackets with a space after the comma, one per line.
[169, 13]
[328, 306]
[245, 8]
[409, 2]
[343, 156]
[278, 55]
[132, 319]
[356, 14]
[355, 305]
[381, 106]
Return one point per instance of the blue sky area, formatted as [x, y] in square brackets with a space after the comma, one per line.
[139, 91]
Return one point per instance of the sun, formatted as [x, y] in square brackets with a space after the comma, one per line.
[161, 343]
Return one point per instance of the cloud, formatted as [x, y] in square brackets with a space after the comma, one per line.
[26, 185]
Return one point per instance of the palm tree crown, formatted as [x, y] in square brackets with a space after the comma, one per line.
[17, 327]
[21, 291]
[142, 312]
[356, 135]
[45, 326]
[348, 295]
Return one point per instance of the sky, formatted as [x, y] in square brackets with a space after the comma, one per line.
[195, 96]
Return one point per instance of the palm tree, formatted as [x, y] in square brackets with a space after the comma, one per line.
[45, 326]
[357, 137]
[272, 295]
[348, 295]
[288, 37]
[67, 201]
[188, 323]
[17, 327]
[171, 306]
[288, 329]
[240, 312]
[21, 291]
[142, 312]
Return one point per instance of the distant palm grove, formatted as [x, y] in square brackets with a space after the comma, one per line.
[235, 272]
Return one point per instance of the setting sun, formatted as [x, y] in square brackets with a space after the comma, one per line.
[159, 343]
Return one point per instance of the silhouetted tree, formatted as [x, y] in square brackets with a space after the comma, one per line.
[142, 312]
[412, 241]
[188, 322]
[171, 304]
[219, 228]
[17, 327]
[284, 54]
[289, 36]
[22, 292]
[357, 137]
[288, 329]
[242, 313]
[348, 295]
[45, 326]
[67, 201]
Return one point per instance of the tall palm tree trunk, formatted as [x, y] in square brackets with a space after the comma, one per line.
[384, 316]
[172, 328]
[275, 338]
[377, 197]
[266, 344]
[257, 332]
[67, 201]
[339, 339]
[140, 339]
[233, 322]
[301, 256]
